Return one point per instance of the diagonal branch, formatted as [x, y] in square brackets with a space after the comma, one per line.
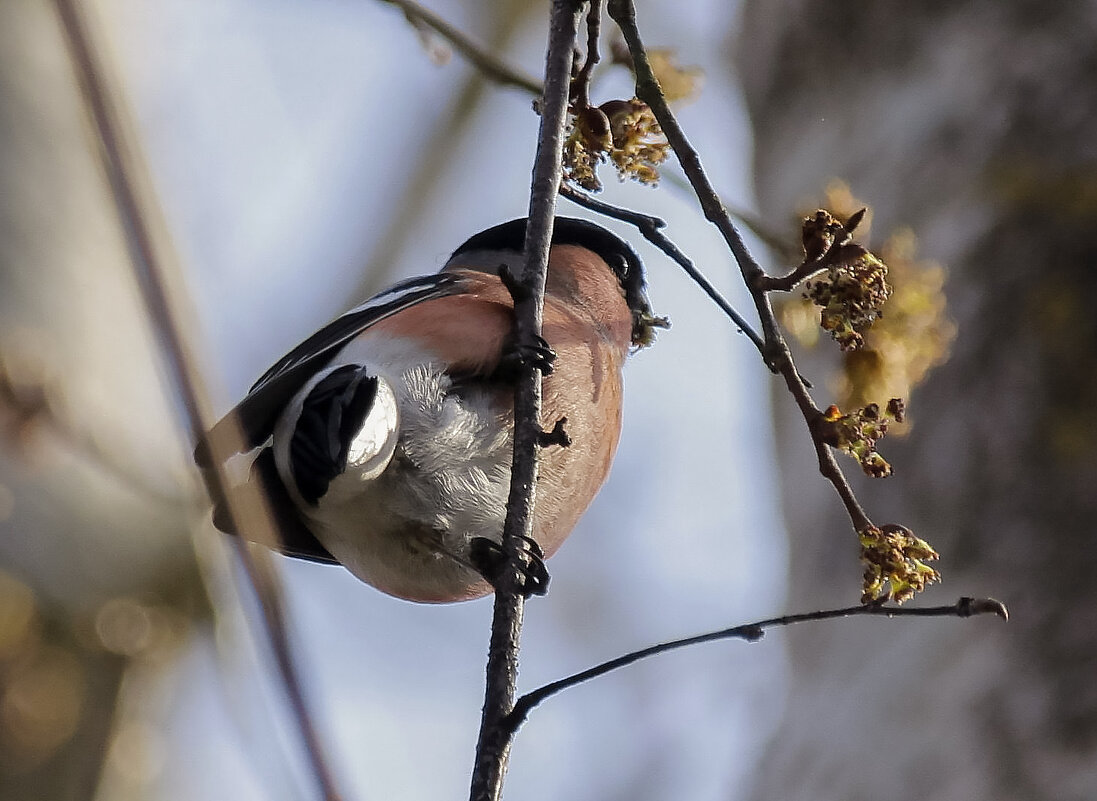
[411, 199]
[496, 69]
[33, 403]
[493, 67]
[651, 229]
[493, 746]
[155, 271]
[751, 632]
[777, 353]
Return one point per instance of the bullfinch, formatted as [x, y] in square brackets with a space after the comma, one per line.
[383, 442]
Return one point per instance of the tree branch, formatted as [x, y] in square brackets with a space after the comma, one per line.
[495, 69]
[776, 351]
[30, 403]
[809, 267]
[581, 84]
[155, 270]
[650, 227]
[750, 632]
[491, 66]
[493, 745]
[499, 71]
[410, 200]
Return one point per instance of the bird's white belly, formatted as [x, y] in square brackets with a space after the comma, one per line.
[407, 529]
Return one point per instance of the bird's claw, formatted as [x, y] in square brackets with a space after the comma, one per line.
[491, 561]
[528, 351]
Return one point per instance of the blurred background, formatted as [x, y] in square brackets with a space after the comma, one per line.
[306, 154]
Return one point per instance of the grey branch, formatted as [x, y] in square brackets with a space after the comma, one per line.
[751, 632]
[494, 68]
[154, 267]
[493, 745]
[776, 353]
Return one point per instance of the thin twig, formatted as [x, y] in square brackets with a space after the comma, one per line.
[751, 632]
[494, 742]
[777, 353]
[412, 197]
[580, 87]
[650, 227]
[647, 89]
[496, 69]
[493, 67]
[786, 283]
[155, 270]
[767, 234]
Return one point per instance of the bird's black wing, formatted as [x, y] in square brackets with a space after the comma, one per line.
[294, 538]
[258, 412]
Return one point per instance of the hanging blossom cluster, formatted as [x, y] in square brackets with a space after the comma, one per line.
[858, 432]
[854, 287]
[851, 287]
[895, 564]
[624, 132]
[910, 339]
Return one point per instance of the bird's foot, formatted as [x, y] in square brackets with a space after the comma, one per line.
[526, 350]
[491, 561]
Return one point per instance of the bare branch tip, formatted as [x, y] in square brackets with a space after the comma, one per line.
[968, 607]
[557, 436]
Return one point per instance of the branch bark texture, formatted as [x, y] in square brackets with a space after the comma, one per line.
[776, 351]
[493, 746]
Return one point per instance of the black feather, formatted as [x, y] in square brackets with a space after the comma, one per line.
[258, 413]
[616, 252]
[331, 415]
[294, 538]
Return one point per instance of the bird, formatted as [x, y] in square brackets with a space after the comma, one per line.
[383, 442]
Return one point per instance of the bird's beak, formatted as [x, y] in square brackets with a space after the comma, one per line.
[644, 322]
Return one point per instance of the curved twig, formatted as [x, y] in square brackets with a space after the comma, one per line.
[491, 66]
[580, 87]
[650, 227]
[777, 353]
[751, 632]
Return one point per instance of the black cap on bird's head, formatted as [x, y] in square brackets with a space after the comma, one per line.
[614, 251]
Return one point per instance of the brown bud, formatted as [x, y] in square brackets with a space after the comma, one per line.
[817, 234]
[593, 125]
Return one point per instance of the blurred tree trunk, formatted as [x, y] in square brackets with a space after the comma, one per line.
[976, 124]
[97, 573]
